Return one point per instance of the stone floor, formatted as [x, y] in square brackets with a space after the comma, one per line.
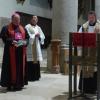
[49, 87]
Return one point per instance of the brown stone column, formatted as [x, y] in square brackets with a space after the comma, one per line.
[55, 49]
[65, 15]
[63, 60]
[64, 20]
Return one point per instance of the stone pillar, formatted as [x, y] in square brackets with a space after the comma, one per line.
[64, 20]
[97, 10]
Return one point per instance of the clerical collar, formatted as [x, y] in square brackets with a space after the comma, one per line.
[14, 26]
[33, 24]
[92, 24]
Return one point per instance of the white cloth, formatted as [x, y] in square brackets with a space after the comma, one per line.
[90, 29]
[32, 31]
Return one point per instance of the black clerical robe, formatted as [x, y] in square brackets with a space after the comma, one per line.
[14, 66]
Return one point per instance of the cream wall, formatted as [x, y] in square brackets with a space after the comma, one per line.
[7, 7]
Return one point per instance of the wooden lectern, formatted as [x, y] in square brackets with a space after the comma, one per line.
[83, 40]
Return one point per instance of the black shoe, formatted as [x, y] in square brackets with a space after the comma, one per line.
[9, 88]
[90, 92]
[17, 88]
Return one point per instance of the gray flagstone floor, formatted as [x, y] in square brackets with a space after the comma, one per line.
[49, 87]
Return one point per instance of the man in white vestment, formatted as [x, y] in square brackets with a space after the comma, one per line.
[89, 75]
[34, 53]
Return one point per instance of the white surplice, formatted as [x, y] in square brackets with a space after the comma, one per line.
[34, 43]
